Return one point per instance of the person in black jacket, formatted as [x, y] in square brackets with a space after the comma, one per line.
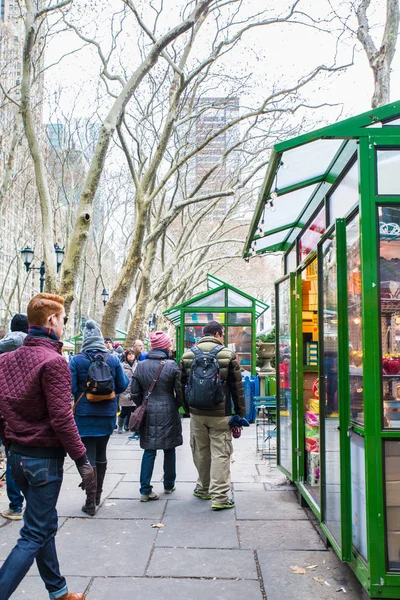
[162, 427]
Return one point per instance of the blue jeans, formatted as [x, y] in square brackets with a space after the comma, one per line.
[40, 481]
[146, 470]
[13, 492]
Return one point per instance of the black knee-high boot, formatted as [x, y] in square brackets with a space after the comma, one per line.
[101, 468]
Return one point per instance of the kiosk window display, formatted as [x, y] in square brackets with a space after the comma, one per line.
[336, 219]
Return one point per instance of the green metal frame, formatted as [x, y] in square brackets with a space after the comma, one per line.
[215, 285]
[354, 128]
[373, 574]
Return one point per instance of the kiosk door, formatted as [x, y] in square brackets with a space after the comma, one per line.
[284, 328]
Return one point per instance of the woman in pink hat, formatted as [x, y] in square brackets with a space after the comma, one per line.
[162, 427]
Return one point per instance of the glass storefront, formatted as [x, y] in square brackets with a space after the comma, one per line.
[330, 374]
[392, 476]
[285, 366]
[310, 378]
[389, 294]
[354, 321]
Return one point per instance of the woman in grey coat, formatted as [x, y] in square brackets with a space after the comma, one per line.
[162, 427]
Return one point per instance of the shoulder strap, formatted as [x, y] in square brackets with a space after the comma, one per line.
[153, 383]
[77, 402]
[87, 356]
[196, 351]
[215, 350]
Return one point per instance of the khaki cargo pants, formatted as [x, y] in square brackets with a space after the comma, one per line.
[211, 444]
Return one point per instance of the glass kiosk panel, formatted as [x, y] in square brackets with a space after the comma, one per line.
[310, 379]
[239, 340]
[285, 366]
[354, 322]
[392, 475]
[389, 292]
[388, 165]
[332, 516]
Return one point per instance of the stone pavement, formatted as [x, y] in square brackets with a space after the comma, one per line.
[199, 553]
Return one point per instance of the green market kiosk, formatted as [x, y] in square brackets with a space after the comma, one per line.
[330, 203]
[235, 310]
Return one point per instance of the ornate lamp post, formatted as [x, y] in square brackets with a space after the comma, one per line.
[27, 255]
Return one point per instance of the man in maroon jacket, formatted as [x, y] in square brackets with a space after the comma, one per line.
[37, 425]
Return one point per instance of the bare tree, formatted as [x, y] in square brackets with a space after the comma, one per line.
[380, 59]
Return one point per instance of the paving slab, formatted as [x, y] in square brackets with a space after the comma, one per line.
[196, 509]
[282, 535]
[32, 587]
[126, 489]
[124, 453]
[123, 466]
[274, 505]
[281, 583]
[249, 486]
[188, 562]
[198, 534]
[102, 548]
[178, 589]
[130, 509]
[9, 535]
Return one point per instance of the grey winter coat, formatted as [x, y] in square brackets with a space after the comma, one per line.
[125, 399]
[12, 341]
[162, 428]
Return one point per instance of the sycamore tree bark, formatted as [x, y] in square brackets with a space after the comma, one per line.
[33, 21]
[380, 59]
[79, 236]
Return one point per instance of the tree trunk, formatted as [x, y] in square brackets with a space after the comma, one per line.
[136, 328]
[10, 161]
[379, 60]
[125, 279]
[34, 147]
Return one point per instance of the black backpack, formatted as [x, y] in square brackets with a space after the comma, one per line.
[205, 389]
[99, 379]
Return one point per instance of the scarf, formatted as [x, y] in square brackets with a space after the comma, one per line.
[39, 331]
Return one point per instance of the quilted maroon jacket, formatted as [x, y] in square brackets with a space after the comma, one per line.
[35, 398]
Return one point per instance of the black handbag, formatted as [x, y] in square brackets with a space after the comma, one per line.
[137, 417]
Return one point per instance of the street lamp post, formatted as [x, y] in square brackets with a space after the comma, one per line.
[27, 255]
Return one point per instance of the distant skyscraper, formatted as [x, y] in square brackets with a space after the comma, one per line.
[216, 113]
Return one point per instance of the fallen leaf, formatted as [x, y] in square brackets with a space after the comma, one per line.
[319, 579]
[298, 570]
[158, 525]
[312, 567]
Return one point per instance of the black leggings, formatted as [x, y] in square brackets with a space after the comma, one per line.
[96, 448]
[126, 411]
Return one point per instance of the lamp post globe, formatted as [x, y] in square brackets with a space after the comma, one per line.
[27, 255]
[59, 256]
[105, 296]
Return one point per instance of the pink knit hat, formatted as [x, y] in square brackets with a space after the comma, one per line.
[159, 340]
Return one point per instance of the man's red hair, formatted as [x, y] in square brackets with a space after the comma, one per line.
[42, 306]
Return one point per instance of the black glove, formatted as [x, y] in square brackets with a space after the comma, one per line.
[88, 476]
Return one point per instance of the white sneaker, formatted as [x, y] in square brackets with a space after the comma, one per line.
[147, 497]
[13, 515]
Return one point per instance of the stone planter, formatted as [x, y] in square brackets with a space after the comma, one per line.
[265, 352]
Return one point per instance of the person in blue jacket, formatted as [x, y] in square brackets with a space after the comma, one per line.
[95, 420]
